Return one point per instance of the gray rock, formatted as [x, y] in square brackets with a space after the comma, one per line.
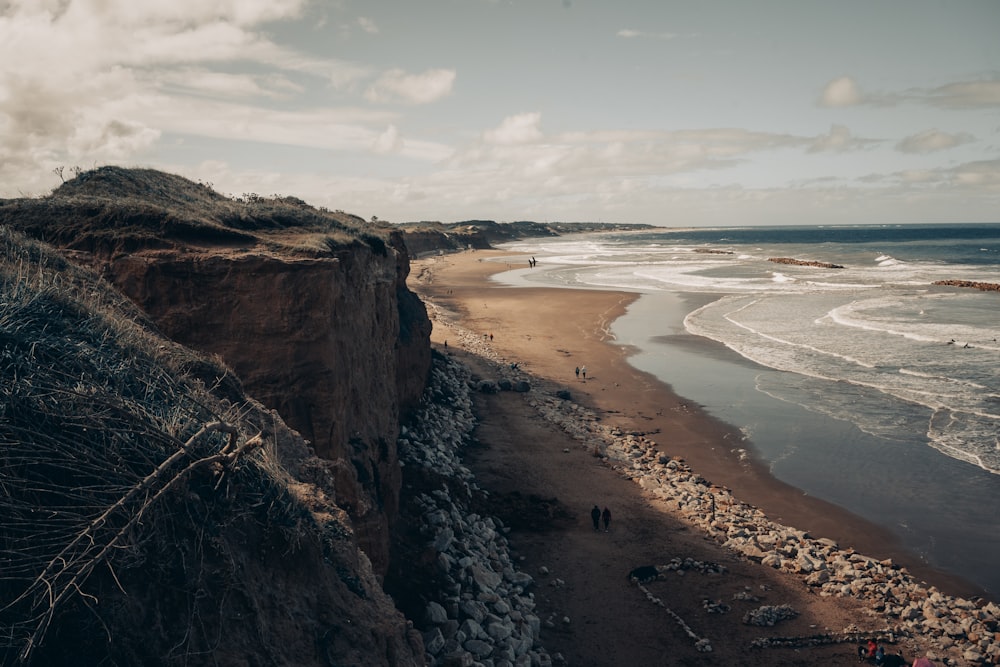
[471, 629]
[473, 609]
[478, 648]
[499, 631]
[433, 641]
[435, 613]
[484, 577]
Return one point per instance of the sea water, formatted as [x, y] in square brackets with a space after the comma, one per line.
[861, 383]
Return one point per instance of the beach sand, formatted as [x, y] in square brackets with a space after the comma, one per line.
[543, 484]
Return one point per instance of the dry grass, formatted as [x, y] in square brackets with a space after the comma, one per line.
[112, 210]
[107, 432]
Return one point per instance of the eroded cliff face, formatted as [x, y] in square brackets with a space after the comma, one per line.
[337, 344]
[308, 307]
[218, 542]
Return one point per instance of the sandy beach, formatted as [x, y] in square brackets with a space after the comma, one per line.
[597, 617]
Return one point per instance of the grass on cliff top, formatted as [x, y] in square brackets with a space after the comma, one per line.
[111, 210]
[107, 433]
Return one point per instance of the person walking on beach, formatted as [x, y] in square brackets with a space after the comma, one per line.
[578, 371]
[595, 515]
[606, 517]
[583, 372]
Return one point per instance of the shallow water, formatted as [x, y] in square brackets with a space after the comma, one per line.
[845, 381]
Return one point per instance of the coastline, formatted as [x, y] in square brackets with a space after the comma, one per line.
[550, 331]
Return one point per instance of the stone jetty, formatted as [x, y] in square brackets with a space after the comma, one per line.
[803, 262]
[984, 287]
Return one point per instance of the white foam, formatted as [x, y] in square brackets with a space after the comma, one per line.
[878, 327]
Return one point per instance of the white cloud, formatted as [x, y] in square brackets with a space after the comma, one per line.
[129, 12]
[389, 141]
[396, 85]
[839, 140]
[520, 129]
[965, 95]
[841, 92]
[83, 81]
[111, 140]
[368, 25]
[224, 85]
[553, 170]
[333, 129]
[932, 140]
[845, 92]
[629, 33]
[981, 174]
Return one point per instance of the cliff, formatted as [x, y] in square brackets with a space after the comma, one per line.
[309, 308]
[427, 237]
[153, 513]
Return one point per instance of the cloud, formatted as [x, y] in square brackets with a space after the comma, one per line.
[549, 170]
[396, 85]
[628, 33]
[84, 81]
[368, 25]
[128, 12]
[981, 174]
[520, 129]
[322, 128]
[841, 92]
[388, 142]
[224, 85]
[839, 140]
[111, 140]
[965, 95]
[961, 95]
[930, 141]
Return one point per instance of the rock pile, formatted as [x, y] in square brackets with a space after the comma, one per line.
[964, 630]
[769, 615]
[485, 615]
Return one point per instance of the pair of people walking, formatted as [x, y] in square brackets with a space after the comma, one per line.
[597, 516]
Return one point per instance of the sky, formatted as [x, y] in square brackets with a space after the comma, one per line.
[663, 112]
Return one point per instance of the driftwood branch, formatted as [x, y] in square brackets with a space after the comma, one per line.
[78, 567]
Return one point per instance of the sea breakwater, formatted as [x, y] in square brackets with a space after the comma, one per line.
[803, 262]
[981, 286]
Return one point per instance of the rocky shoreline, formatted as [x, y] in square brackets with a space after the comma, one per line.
[958, 631]
[485, 614]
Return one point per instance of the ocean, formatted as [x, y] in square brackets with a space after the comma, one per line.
[855, 379]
